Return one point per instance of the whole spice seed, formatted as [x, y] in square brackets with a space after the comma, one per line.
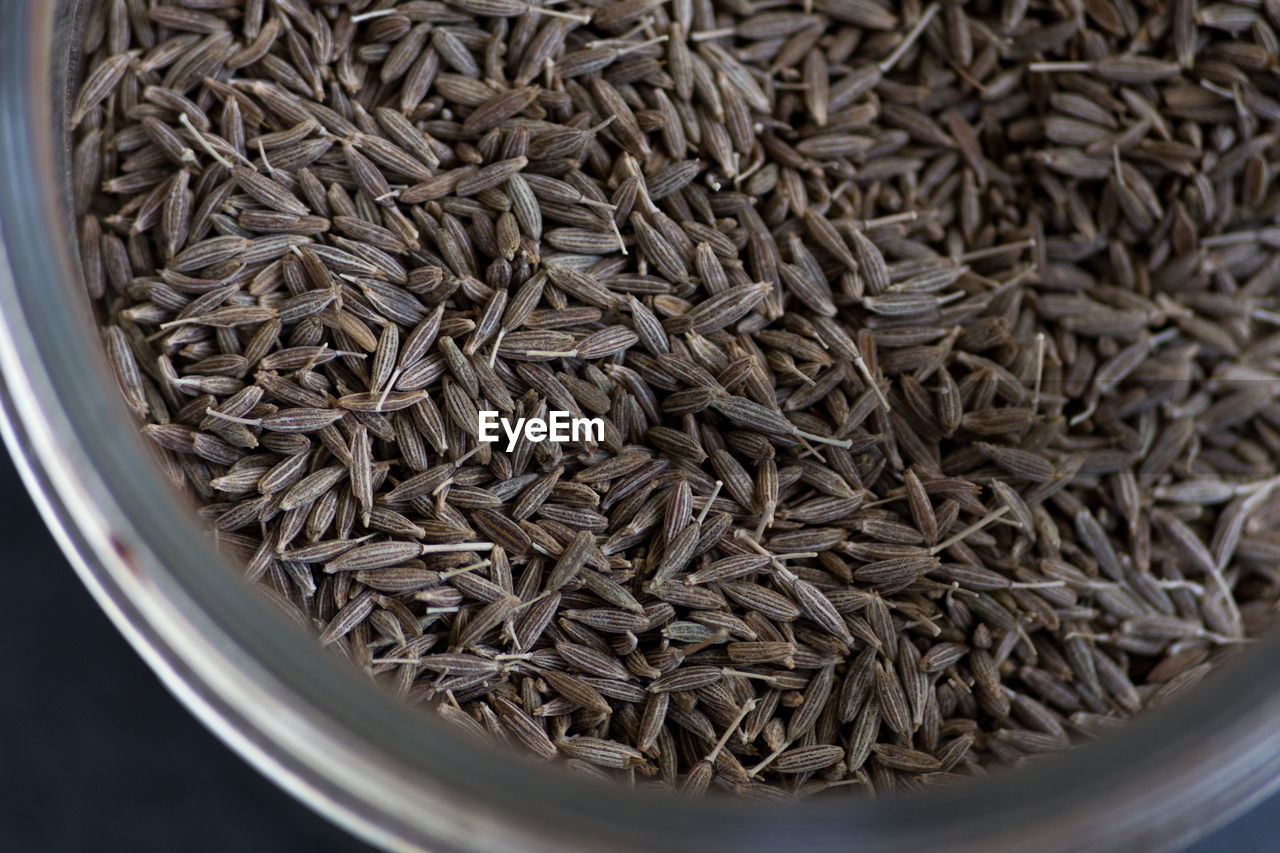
[939, 416]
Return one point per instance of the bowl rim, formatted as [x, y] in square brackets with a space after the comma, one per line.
[390, 774]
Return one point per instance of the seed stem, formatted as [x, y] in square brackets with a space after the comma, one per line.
[386, 392]
[454, 547]
[1060, 67]
[720, 635]
[214, 413]
[1035, 397]
[201, 141]
[821, 439]
[968, 531]
[609, 42]
[745, 538]
[884, 221]
[758, 676]
[747, 708]
[602, 125]
[914, 33]
[622, 244]
[708, 35]
[603, 205]
[535, 599]
[978, 254]
[265, 162]
[380, 661]
[623, 51]
[366, 16]
[462, 571]
[556, 13]
[706, 508]
[865, 371]
[769, 759]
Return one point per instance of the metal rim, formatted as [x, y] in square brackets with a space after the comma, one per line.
[402, 780]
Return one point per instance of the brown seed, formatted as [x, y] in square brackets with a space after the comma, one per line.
[930, 399]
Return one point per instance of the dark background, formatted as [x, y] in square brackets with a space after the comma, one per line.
[95, 755]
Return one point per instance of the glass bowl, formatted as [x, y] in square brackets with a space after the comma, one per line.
[395, 776]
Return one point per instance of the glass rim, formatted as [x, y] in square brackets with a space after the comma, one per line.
[390, 773]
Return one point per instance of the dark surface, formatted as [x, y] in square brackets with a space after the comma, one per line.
[98, 756]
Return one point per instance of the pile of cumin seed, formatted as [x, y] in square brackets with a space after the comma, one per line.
[936, 347]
